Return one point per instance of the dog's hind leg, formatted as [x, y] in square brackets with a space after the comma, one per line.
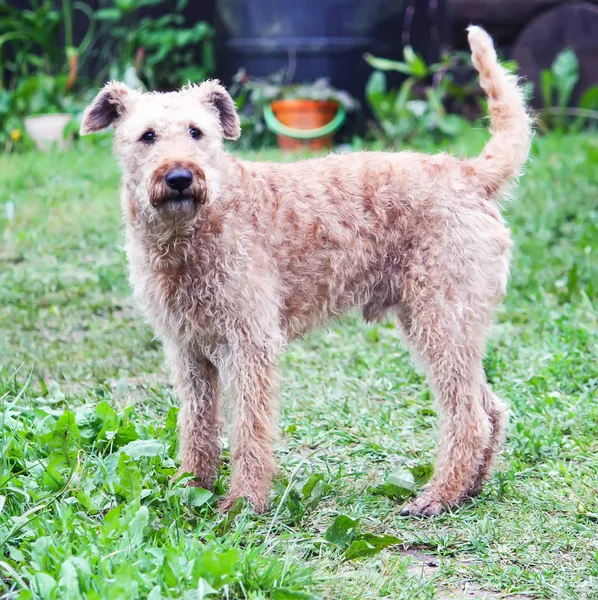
[450, 345]
[498, 414]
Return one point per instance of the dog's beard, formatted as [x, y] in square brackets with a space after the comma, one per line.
[173, 206]
[178, 207]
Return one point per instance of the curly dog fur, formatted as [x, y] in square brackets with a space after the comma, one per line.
[252, 255]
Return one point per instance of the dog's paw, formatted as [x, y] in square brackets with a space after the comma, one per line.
[257, 500]
[425, 506]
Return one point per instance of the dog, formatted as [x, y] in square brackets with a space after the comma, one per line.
[231, 260]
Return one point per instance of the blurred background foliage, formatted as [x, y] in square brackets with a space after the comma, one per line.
[54, 54]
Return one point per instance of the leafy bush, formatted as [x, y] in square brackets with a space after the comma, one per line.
[39, 69]
[42, 66]
[556, 89]
[155, 52]
[31, 43]
[419, 105]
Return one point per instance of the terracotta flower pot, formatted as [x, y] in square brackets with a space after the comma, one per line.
[305, 114]
[47, 130]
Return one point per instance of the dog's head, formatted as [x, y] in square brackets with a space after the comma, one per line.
[169, 144]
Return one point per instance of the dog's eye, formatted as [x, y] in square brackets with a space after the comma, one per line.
[149, 137]
[194, 133]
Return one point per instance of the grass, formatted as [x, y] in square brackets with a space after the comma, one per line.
[88, 442]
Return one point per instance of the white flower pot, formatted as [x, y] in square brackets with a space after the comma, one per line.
[47, 130]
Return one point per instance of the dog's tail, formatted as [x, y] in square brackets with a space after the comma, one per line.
[505, 154]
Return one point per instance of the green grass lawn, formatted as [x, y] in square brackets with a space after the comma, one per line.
[88, 445]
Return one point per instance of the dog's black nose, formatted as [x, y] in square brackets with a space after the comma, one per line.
[179, 179]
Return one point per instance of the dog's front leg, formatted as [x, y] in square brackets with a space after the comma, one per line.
[254, 380]
[196, 380]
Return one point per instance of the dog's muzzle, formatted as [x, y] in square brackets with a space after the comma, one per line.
[177, 190]
[179, 179]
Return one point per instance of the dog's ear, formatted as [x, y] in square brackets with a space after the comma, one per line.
[107, 108]
[214, 94]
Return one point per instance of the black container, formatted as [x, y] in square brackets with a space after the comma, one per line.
[308, 38]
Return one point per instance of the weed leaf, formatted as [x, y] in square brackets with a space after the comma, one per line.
[216, 568]
[139, 448]
[285, 594]
[369, 544]
[342, 531]
[422, 474]
[64, 438]
[43, 585]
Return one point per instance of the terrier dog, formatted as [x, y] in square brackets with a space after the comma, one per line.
[231, 260]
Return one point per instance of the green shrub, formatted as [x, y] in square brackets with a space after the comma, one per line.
[44, 71]
[556, 91]
[153, 52]
[419, 105]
